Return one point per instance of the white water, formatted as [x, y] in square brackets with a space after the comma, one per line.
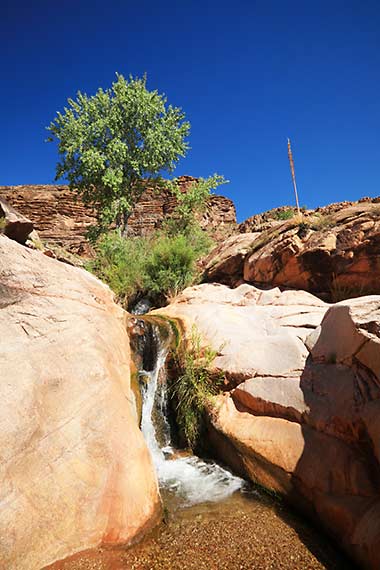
[189, 477]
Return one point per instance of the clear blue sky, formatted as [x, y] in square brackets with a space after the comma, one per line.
[247, 73]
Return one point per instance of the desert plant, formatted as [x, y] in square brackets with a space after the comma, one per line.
[2, 225]
[159, 266]
[283, 214]
[190, 203]
[303, 229]
[121, 264]
[321, 222]
[340, 291]
[171, 265]
[193, 387]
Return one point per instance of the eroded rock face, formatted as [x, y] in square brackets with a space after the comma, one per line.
[225, 263]
[16, 226]
[331, 252]
[63, 221]
[302, 417]
[75, 471]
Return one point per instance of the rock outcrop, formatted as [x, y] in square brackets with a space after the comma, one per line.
[63, 221]
[300, 414]
[14, 225]
[331, 252]
[75, 470]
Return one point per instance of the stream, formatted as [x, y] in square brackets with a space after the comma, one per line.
[187, 478]
[214, 519]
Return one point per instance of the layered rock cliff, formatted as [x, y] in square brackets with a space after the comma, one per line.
[62, 220]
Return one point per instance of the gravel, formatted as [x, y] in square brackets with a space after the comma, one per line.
[245, 532]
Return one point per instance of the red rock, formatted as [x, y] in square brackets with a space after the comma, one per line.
[63, 221]
[332, 252]
[17, 227]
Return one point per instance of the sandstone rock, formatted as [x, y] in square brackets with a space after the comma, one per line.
[75, 471]
[339, 260]
[227, 259]
[305, 423]
[272, 397]
[16, 226]
[332, 253]
[250, 338]
[62, 220]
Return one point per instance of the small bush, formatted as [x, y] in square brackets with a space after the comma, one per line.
[171, 265]
[121, 264]
[159, 267]
[193, 387]
[321, 222]
[341, 291]
[303, 229]
[2, 225]
[283, 214]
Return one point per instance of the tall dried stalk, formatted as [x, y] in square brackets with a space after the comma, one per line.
[291, 162]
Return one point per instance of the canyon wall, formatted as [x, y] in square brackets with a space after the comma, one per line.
[61, 220]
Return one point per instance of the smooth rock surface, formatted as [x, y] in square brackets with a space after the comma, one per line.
[302, 417]
[75, 471]
[255, 332]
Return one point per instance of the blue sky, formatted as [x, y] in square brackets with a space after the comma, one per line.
[248, 74]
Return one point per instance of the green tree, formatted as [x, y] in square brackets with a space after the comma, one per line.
[114, 142]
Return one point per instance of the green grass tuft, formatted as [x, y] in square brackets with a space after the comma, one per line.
[193, 388]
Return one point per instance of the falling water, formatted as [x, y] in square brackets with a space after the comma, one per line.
[190, 478]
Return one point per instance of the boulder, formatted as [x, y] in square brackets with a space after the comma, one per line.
[300, 413]
[331, 252]
[75, 471]
[16, 226]
[225, 263]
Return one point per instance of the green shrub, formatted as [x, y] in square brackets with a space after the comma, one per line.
[193, 388]
[159, 267]
[171, 265]
[2, 225]
[321, 222]
[284, 214]
[121, 263]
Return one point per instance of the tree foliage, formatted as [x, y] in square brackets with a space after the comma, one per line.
[190, 203]
[160, 265]
[111, 143]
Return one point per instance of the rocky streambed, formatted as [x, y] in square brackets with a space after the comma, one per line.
[247, 531]
[214, 519]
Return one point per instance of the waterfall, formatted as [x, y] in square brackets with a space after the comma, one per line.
[190, 478]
